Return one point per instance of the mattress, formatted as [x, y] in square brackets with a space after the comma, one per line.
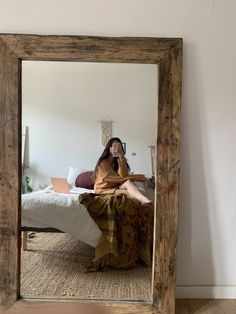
[45, 208]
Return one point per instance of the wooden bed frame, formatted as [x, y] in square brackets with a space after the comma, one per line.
[25, 230]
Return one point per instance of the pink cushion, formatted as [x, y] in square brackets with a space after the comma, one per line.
[84, 180]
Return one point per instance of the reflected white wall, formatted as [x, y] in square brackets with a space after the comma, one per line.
[63, 102]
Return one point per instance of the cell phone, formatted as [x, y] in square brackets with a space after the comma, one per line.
[124, 147]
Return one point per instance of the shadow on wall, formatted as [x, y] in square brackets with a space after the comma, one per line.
[195, 257]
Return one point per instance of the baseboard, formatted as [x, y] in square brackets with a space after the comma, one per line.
[206, 292]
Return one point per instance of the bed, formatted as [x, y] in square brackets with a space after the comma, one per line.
[47, 211]
[117, 227]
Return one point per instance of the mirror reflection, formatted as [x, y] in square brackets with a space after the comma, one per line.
[70, 110]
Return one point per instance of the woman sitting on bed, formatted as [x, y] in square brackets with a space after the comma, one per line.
[111, 174]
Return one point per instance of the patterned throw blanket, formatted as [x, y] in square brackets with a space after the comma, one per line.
[127, 230]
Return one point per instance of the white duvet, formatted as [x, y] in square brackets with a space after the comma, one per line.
[46, 208]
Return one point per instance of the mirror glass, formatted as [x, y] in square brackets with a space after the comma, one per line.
[69, 109]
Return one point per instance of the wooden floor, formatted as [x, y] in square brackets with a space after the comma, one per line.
[182, 307]
[206, 306]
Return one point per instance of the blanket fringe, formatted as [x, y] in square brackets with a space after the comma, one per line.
[98, 265]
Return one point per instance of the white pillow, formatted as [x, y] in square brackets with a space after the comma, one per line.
[72, 174]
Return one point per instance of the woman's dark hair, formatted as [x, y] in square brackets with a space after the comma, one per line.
[106, 154]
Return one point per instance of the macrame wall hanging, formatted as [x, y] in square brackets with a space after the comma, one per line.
[106, 131]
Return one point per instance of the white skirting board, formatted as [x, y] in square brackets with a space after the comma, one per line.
[206, 292]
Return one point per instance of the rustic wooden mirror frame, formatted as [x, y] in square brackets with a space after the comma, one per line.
[167, 53]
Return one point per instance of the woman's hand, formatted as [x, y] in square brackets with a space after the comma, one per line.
[120, 152]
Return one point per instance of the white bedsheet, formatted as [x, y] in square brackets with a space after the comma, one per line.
[46, 208]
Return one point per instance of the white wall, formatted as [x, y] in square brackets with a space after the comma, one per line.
[62, 103]
[207, 233]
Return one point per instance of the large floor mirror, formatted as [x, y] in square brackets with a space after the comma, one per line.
[65, 106]
[61, 98]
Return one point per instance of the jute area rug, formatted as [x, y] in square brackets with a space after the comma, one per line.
[54, 265]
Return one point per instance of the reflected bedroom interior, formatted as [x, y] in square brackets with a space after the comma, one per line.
[69, 111]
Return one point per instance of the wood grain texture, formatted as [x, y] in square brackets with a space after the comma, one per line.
[165, 52]
[84, 48]
[182, 307]
[9, 174]
[168, 152]
[76, 307]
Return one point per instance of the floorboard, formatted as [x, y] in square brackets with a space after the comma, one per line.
[205, 306]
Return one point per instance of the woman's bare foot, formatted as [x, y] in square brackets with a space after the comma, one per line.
[146, 202]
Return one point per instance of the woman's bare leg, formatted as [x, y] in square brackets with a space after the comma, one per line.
[129, 188]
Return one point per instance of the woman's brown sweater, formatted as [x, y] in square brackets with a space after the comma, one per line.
[108, 180]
